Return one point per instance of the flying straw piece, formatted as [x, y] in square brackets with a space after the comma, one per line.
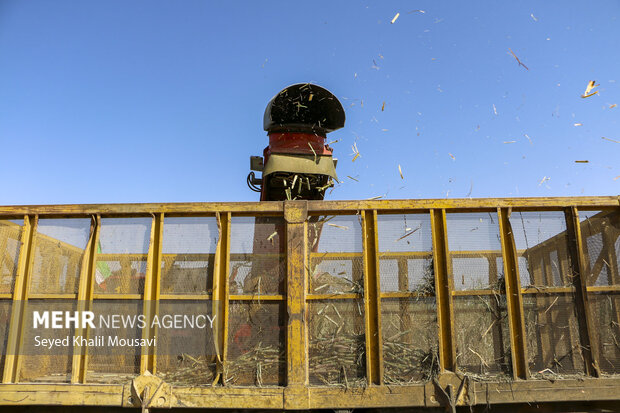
[509, 141]
[452, 156]
[400, 171]
[577, 124]
[409, 233]
[582, 161]
[518, 61]
[356, 152]
[416, 11]
[591, 85]
[383, 107]
[610, 140]
[542, 181]
[528, 138]
[310, 97]
[270, 238]
[616, 177]
[338, 226]
[313, 151]
[534, 18]
[374, 197]
[395, 17]
[350, 177]
[494, 109]
[613, 106]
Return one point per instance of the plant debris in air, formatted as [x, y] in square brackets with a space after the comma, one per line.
[383, 106]
[545, 179]
[591, 85]
[356, 152]
[610, 140]
[400, 171]
[613, 106]
[577, 124]
[582, 161]
[338, 226]
[395, 18]
[518, 61]
[452, 156]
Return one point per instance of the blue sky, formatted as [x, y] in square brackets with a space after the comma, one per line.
[162, 101]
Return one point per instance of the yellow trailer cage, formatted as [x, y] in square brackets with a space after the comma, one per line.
[423, 304]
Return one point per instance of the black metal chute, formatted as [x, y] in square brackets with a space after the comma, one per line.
[304, 107]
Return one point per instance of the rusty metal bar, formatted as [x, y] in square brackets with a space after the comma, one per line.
[579, 268]
[516, 322]
[295, 215]
[20, 296]
[221, 296]
[372, 299]
[443, 282]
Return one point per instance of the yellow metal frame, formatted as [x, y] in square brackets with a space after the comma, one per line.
[297, 393]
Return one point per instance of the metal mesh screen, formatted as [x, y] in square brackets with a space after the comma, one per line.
[553, 344]
[600, 232]
[5, 321]
[475, 251]
[121, 259]
[186, 356]
[410, 344]
[10, 242]
[256, 340]
[107, 364]
[59, 250]
[336, 262]
[188, 249]
[405, 253]
[605, 309]
[257, 255]
[481, 323]
[336, 343]
[542, 248]
[482, 335]
[40, 363]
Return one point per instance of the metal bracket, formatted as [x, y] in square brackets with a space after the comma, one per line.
[148, 391]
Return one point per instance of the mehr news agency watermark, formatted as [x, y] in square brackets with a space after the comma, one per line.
[56, 320]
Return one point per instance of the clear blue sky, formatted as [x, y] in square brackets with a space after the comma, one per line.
[162, 101]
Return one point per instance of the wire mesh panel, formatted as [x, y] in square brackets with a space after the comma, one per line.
[545, 266]
[481, 324]
[410, 344]
[121, 259]
[188, 249]
[59, 250]
[118, 359]
[10, 243]
[600, 231]
[5, 318]
[257, 255]
[605, 307]
[336, 343]
[336, 262]
[553, 343]
[406, 253]
[185, 348]
[46, 352]
[256, 340]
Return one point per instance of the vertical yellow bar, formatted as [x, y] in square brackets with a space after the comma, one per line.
[78, 373]
[90, 288]
[443, 290]
[151, 292]
[296, 215]
[372, 299]
[589, 343]
[514, 300]
[221, 269]
[20, 295]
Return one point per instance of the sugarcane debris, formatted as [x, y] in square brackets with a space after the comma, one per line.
[338, 226]
[400, 171]
[356, 152]
[577, 124]
[610, 140]
[270, 238]
[533, 18]
[383, 107]
[452, 156]
[395, 18]
[518, 61]
[591, 85]
[350, 177]
[409, 233]
[582, 161]
[494, 109]
[613, 106]
[545, 179]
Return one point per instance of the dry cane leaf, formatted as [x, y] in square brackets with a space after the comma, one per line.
[582, 161]
[452, 156]
[545, 178]
[357, 155]
[577, 124]
[616, 177]
[613, 106]
[338, 226]
[270, 238]
[610, 140]
[400, 171]
[591, 85]
[350, 177]
[383, 107]
[374, 197]
[509, 141]
[395, 17]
